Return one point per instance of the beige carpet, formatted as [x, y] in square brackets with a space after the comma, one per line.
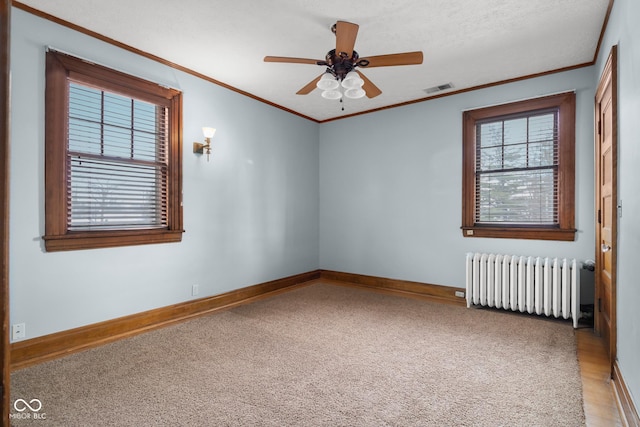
[321, 355]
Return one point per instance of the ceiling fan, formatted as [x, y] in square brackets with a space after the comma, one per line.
[341, 64]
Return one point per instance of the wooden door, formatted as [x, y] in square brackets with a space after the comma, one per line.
[606, 204]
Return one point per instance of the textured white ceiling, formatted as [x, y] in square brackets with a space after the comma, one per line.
[465, 42]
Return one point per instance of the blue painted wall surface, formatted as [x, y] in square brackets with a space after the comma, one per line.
[250, 214]
[391, 193]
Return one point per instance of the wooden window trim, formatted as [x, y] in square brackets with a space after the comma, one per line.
[565, 229]
[60, 68]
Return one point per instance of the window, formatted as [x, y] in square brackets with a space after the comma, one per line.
[113, 162]
[518, 170]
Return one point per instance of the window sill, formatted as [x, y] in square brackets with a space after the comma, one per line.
[109, 239]
[530, 233]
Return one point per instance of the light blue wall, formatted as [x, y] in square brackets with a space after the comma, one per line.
[391, 186]
[250, 214]
[623, 30]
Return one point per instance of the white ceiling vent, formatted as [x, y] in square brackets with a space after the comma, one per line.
[439, 88]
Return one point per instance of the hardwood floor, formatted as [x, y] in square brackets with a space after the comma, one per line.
[599, 404]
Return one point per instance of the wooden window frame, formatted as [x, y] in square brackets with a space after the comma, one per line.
[565, 228]
[60, 69]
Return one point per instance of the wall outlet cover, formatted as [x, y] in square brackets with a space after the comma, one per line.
[18, 331]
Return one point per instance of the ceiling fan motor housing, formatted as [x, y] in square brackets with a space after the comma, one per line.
[340, 64]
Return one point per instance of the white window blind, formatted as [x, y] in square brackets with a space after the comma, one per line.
[517, 169]
[117, 161]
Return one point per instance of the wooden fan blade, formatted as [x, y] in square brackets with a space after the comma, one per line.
[346, 33]
[407, 58]
[370, 89]
[309, 87]
[292, 60]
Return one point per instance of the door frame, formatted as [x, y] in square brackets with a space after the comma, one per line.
[5, 119]
[608, 78]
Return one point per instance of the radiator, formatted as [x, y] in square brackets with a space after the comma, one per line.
[549, 286]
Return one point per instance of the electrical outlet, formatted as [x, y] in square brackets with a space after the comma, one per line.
[460, 294]
[18, 331]
[195, 289]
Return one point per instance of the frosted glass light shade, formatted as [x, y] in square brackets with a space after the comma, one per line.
[352, 80]
[331, 94]
[208, 132]
[327, 82]
[355, 93]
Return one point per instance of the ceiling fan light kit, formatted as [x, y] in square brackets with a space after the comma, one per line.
[331, 87]
[341, 63]
[355, 93]
[352, 81]
[327, 82]
[331, 94]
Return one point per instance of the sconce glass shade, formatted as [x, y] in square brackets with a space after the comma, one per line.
[208, 132]
[327, 82]
[331, 94]
[355, 93]
[352, 81]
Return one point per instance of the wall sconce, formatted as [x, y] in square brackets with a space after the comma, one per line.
[206, 147]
